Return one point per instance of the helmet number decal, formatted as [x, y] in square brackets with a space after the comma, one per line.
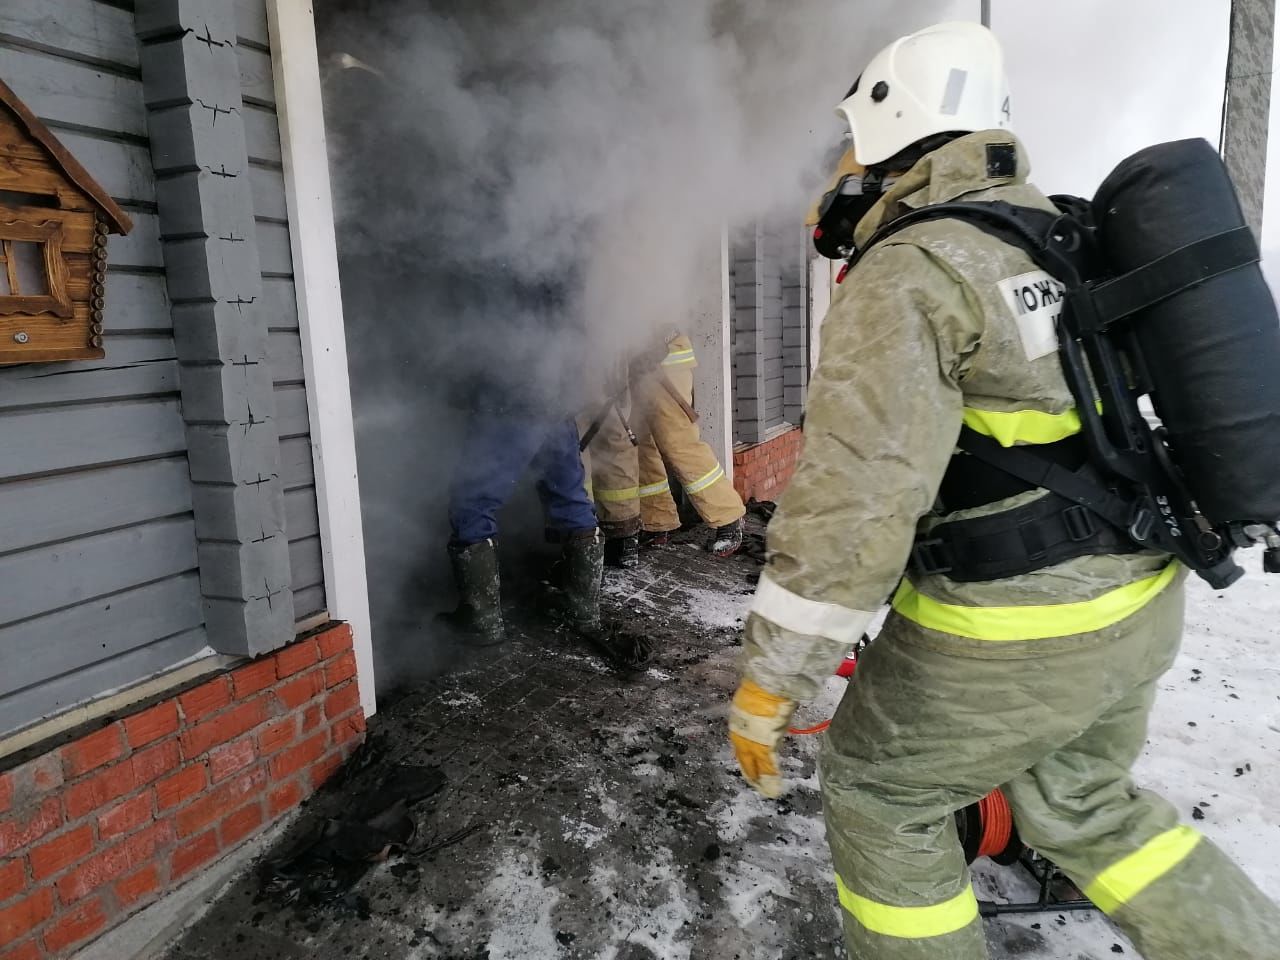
[1004, 108]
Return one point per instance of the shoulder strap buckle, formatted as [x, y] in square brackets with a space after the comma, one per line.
[1079, 523]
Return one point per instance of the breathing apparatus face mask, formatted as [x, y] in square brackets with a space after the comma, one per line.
[841, 209]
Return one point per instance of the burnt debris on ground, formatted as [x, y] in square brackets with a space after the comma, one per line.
[372, 812]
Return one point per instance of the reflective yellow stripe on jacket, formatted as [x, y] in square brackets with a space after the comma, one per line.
[1124, 880]
[677, 357]
[910, 923]
[1022, 426]
[1006, 624]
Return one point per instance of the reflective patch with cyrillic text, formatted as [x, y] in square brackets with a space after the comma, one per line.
[1035, 299]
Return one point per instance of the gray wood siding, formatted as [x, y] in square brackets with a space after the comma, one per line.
[796, 324]
[769, 283]
[266, 177]
[97, 539]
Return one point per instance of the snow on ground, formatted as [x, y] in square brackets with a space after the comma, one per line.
[1215, 734]
[1214, 740]
[521, 904]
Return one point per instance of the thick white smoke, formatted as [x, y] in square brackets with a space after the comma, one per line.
[526, 188]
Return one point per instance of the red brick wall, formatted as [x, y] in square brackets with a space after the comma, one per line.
[762, 471]
[99, 827]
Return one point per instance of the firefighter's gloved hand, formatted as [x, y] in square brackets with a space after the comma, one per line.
[758, 720]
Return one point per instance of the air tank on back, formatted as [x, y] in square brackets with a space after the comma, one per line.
[1213, 350]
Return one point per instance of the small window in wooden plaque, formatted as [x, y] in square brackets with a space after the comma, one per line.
[54, 224]
[33, 275]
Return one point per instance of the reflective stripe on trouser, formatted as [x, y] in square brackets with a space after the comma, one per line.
[678, 442]
[657, 507]
[921, 733]
[615, 474]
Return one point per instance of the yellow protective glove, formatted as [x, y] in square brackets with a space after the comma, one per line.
[758, 720]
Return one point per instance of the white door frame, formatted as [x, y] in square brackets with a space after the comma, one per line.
[312, 240]
[709, 328]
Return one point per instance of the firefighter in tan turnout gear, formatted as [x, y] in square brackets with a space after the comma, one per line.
[1041, 682]
[629, 479]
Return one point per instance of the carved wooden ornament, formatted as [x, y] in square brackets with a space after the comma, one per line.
[54, 223]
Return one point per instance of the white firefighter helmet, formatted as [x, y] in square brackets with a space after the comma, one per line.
[946, 78]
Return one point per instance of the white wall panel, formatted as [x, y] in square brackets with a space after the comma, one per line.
[1095, 80]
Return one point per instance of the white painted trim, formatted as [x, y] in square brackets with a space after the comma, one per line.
[709, 330]
[821, 289]
[707, 326]
[725, 453]
[296, 68]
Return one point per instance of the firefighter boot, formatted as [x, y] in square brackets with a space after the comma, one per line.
[655, 539]
[727, 540]
[584, 569]
[479, 611]
[622, 552]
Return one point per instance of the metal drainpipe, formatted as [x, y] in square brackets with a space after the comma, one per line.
[986, 13]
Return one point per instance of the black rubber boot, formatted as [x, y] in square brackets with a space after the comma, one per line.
[727, 540]
[622, 552]
[584, 567]
[479, 611]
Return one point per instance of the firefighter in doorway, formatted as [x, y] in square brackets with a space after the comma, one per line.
[518, 394]
[1039, 681]
[629, 479]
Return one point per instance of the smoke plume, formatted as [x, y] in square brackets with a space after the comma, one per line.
[527, 189]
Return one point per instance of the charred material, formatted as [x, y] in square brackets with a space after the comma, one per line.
[335, 852]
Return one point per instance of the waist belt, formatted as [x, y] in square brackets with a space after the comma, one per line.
[972, 482]
[1047, 531]
[1013, 542]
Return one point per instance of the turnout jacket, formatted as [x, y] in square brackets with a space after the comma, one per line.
[938, 326]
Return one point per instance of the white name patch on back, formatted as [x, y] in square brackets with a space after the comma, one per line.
[1035, 300]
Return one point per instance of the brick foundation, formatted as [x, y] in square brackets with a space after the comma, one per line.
[96, 828]
[763, 470]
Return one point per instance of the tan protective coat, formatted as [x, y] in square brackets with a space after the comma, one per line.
[630, 483]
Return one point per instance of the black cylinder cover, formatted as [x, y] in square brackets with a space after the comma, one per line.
[1212, 351]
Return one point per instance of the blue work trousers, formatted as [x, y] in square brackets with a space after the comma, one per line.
[495, 455]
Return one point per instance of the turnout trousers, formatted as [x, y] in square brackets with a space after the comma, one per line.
[630, 483]
[924, 731]
[499, 449]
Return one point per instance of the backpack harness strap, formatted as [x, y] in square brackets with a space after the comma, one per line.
[1081, 515]
[1078, 517]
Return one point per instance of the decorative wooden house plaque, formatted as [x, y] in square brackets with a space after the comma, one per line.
[54, 223]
